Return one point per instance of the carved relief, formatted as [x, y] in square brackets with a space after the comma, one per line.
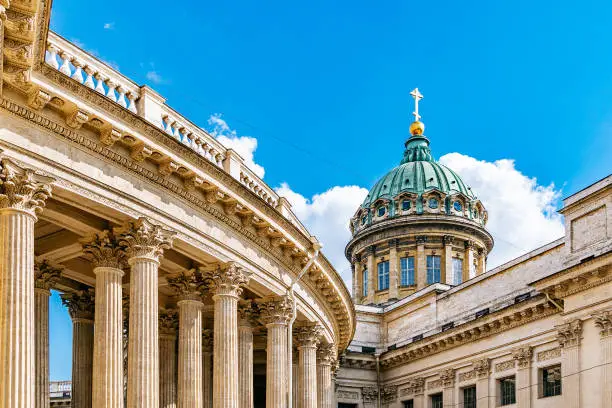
[548, 354]
[80, 304]
[505, 365]
[168, 322]
[388, 393]
[276, 310]
[46, 275]
[482, 367]
[369, 394]
[603, 321]
[144, 239]
[307, 336]
[105, 249]
[187, 285]
[570, 334]
[523, 356]
[22, 189]
[227, 280]
[448, 377]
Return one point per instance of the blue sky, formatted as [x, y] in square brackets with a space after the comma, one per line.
[324, 87]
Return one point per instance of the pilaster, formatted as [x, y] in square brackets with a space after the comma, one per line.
[448, 387]
[569, 336]
[468, 261]
[447, 262]
[307, 338]
[22, 196]
[394, 270]
[81, 308]
[420, 264]
[603, 321]
[372, 275]
[523, 357]
[482, 368]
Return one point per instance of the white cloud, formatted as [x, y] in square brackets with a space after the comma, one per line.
[109, 26]
[522, 213]
[326, 215]
[245, 146]
[154, 77]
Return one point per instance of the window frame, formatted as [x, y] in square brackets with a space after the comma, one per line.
[407, 271]
[473, 401]
[502, 400]
[440, 403]
[542, 380]
[364, 282]
[433, 272]
[457, 274]
[384, 278]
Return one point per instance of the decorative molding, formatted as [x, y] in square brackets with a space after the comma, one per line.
[349, 395]
[187, 285]
[388, 393]
[46, 275]
[415, 386]
[462, 377]
[505, 366]
[482, 367]
[369, 394]
[276, 310]
[80, 304]
[307, 336]
[143, 239]
[603, 321]
[22, 189]
[168, 322]
[523, 356]
[105, 249]
[227, 280]
[548, 354]
[570, 334]
[248, 313]
[431, 385]
[448, 378]
[326, 355]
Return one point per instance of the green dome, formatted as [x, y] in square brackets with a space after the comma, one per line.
[417, 173]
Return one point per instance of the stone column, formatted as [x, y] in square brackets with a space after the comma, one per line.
[447, 262]
[207, 367]
[358, 295]
[246, 323]
[325, 388]
[523, 357]
[226, 284]
[468, 261]
[603, 321]
[168, 324]
[145, 244]
[482, 262]
[22, 195]
[81, 308]
[394, 270]
[187, 287]
[483, 370]
[307, 338]
[295, 383]
[372, 274]
[448, 387]
[108, 258]
[45, 277]
[275, 315]
[420, 267]
[569, 336]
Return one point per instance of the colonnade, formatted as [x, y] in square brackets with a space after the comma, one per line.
[209, 368]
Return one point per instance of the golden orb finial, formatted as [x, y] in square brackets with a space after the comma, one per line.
[417, 127]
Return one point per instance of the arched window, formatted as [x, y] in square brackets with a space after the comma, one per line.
[364, 282]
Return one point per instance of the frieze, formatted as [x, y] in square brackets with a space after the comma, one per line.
[504, 366]
[388, 393]
[549, 354]
[369, 394]
[349, 395]
[192, 199]
[434, 384]
[467, 376]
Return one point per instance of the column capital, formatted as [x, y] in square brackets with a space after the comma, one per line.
[248, 313]
[447, 239]
[46, 275]
[603, 321]
[448, 378]
[143, 239]
[22, 189]
[187, 285]
[482, 367]
[227, 280]
[416, 385]
[421, 239]
[168, 321]
[207, 340]
[469, 244]
[570, 334]
[80, 304]
[307, 336]
[326, 354]
[105, 250]
[394, 242]
[523, 356]
[275, 310]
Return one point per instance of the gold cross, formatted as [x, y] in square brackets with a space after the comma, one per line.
[417, 97]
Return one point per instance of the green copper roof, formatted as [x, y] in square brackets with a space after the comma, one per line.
[417, 173]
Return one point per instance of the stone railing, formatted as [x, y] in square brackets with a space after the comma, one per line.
[148, 104]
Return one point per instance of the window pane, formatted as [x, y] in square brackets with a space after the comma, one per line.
[507, 391]
[457, 271]
[469, 397]
[409, 404]
[364, 281]
[433, 269]
[436, 401]
[383, 275]
[551, 381]
[407, 272]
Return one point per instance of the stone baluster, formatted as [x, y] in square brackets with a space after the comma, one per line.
[145, 243]
[89, 72]
[108, 258]
[22, 195]
[168, 324]
[448, 387]
[121, 98]
[52, 56]
[187, 288]
[110, 94]
[78, 71]
[307, 338]
[131, 102]
[226, 285]
[99, 83]
[176, 130]
[207, 367]
[483, 371]
[65, 68]
[523, 357]
[45, 277]
[81, 308]
[275, 315]
[325, 359]
[247, 314]
[569, 336]
[603, 321]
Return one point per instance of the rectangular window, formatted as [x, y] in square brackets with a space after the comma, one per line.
[436, 400]
[457, 271]
[507, 391]
[383, 275]
[364, 282]
[469, 397]
[409, 404]
[433, 269]
[550, 379]
[407, 273]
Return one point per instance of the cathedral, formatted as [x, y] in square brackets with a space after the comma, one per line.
[191, 283]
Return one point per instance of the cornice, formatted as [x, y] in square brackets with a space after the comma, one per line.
[344, 315]
[503, 320]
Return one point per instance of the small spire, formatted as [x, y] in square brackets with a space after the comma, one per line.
[417, 127]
